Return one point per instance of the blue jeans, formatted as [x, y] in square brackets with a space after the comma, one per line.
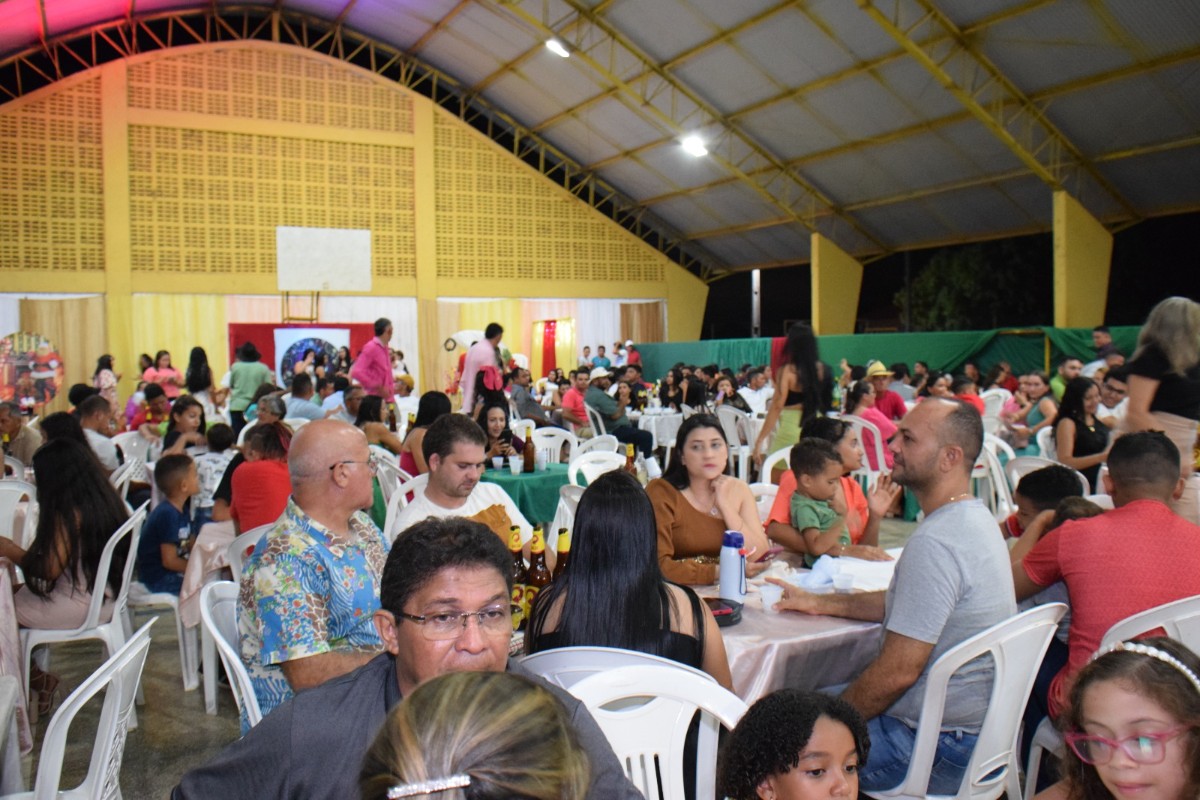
[892, 745]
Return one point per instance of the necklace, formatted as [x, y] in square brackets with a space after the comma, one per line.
[958, 497]
[713, 511]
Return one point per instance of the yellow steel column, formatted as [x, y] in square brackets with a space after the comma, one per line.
[1082, 257]
[425, 224]
[836, 281]
[118, 290]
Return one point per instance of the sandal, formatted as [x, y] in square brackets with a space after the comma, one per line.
[46, 686]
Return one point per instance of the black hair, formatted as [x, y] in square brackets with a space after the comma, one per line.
[369, 410]
[961, 382]
[61, 425]
[248, 352]
[1048, 486]
[899, 370]
[1100, 329]
[271, 441]
[340, 383]
[104, 362]
[481, 420]
[613, 594]
[1147, 458]
[381, 325]
[263, 390]
[199, 375]
[753, 373]
[801, 352]
[831, 429]
[153, 391]
[992, 377]
[1120, 373]
[493, 330]
[170, 470]
[307, 352]
[302, 384]
[322, 383]
[145, 359]
[446, 431]
[1071, 405]
[220, 438]
[94, 405]
[963, 426]
[676, 473]
[858, 390]
[811, 456]
[158, 357]
[770, 737]
[423, 550]
[182, 404]
[80, 392]
[78, 506]
[432, 405]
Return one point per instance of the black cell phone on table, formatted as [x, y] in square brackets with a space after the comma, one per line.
[725, 612]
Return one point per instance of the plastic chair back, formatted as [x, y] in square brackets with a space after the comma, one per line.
[993, 401]
[552, 440]
[241, 547]
[1045, 443]
[400, 499]
[1180, 619]
[860, 426]
[122, 476]
[12, 491]
[390, 476]
[1016, 647]
[593, 465]
[991, 485]
[999, 446]
[603, 443]
[133, 445]
[597, 421]
[731, 421]
[764, 498]
[119, 677]
[648, 737]
[780, 459]
[218, 614]
[522, 428]
[568, 501]
[1021, 466]
[567, 666]
[16, 465]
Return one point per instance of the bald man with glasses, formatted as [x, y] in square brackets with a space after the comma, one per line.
[310, 588]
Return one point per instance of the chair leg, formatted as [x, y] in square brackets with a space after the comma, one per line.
[188, 656]
[209, 658]
[1032, 769]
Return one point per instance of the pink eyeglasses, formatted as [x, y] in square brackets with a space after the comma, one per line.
[1144, 748]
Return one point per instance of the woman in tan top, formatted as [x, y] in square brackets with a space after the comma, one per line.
[696, 501]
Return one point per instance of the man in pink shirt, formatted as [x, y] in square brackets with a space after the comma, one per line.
[373, 367]
[482, 354]
[887, 402]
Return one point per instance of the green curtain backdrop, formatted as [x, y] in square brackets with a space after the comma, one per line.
[1025, 350]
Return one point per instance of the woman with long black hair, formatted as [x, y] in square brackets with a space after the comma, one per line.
[797, 393]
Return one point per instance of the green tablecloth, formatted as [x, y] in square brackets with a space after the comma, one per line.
[535, 493]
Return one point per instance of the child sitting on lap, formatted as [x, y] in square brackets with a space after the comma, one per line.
[818, 470]
[166, 536]
[1038, 491]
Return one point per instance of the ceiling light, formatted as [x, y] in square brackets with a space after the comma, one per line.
[556, 47]
[694, 146]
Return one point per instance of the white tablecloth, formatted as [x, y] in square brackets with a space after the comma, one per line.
[207, 558]
[662, 427]
[11, 720]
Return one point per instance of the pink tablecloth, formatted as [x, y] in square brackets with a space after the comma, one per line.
[10, 652]
[207, 558]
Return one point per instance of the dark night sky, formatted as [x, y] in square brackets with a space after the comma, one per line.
[1151, 260]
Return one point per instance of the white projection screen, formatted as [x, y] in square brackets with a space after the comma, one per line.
[323, 259]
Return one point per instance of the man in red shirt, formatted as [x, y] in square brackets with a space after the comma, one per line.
[632, 356]
[153, 412]
[572, 403]
[887, 402]
[1123, 562]
[373, 367]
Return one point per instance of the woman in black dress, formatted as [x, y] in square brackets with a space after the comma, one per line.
[1080, 440]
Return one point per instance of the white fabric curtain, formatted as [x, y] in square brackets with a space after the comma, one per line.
[10, 314]
[402, 311]
[597, 322]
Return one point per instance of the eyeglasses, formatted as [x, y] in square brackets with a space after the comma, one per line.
[1105, 387]
[1144, 748]
[371, 462]
[493, 620]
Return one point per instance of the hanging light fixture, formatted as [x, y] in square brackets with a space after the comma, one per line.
[694, 146]
[557, 47]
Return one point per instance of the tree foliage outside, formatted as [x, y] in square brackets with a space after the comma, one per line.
[981, 286]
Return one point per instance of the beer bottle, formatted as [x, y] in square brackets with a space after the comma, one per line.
[630, 465]
[392, 417]
[539, 574]
[520, 577]
[564, 551]
[527, 452]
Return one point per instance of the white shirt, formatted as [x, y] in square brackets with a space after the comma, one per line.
[1117, 413]
[757, 400]
[483, 496]
[332, 402]
[103, 447]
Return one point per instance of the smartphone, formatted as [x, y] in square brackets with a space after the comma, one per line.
[769, 555]
[720, 396]
[718, 607]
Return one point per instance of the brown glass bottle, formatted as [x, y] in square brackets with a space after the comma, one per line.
[391, 417]
[520, 577]
[539, 573]
[630, 462]
[564, 552]
[527, 452]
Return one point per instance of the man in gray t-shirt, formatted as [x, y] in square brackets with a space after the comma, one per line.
[952, 581]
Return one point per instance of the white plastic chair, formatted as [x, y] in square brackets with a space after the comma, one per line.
[1016, 646]
[567, 666]
[593, 465]
[603, 443]
[998, 446]
[732, 424]
[118, 677]
[993, 401]
[1045, 443]
[568, 501]
[597, 421]
[991, 485]
[134, 445]
[189, 642]
[218, 615]
[296, 423]
[522, 428]
[764, 498]
[122, 476]
[12, 491]
[239, 549]
[552, 440]
[1021, 466]
[112, 632]
[1105, 501]
[16, 465]
[399, 500]
[390, 477]
[860, 426]
[780, 459]
[648, 738]
[1181, 621]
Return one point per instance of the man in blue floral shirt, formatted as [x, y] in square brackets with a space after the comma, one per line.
[311, 587]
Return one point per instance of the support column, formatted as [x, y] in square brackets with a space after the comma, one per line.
[836, 282]
[425, 224]
[118, 245]
[1082, 259]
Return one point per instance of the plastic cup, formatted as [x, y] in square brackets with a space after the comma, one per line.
[498, 462]
[539, 460]
[843, 582]
[771, 594]
[515, 464]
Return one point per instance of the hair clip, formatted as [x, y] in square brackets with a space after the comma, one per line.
[1154, 652]
[429, 787]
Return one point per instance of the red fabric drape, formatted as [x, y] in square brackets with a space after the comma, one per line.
[777, 357]
[549, 327]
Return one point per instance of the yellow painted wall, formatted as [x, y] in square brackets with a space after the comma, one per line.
[167, 173]
[1082, 259]
[836, 282]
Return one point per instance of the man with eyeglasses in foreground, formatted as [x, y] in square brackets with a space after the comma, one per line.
[312, 584]
[445, 608]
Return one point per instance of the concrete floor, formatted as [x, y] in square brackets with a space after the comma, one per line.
[174, 734]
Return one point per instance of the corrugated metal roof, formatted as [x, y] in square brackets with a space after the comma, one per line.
[818, 115]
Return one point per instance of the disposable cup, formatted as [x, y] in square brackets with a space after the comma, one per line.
[515, 464]
[498, 462]
[771, 594]
[539, 460]
[843, 582]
